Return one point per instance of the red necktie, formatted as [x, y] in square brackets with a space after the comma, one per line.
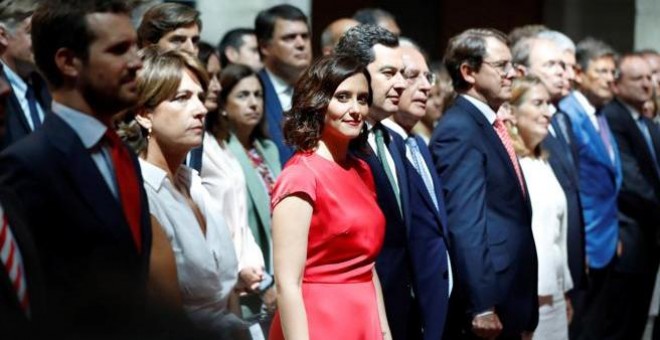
[500, 128]
[11, 258]
[127, 183]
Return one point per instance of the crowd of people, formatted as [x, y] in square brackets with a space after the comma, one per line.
[153, 185]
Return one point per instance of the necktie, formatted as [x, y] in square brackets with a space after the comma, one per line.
[500, 128]
[382, 157]
[32, 105]
[647, 137]
[604, 131]
[13, 263]
[418, 164]
[127, 183]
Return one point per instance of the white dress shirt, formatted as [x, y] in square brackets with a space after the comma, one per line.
[284, 91]
[206, 265]
[19, 88]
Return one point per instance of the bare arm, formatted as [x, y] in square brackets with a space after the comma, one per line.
[291, 221]
[384, 325]
[163, 282]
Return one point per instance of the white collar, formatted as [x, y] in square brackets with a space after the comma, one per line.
[392, 125]
[279, 84]
[584, 102]
[482, 107]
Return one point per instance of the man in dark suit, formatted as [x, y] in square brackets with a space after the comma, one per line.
[428, 246]
[80, 186]
[284, 45]
[30, 100]
[633, 277]
[543, 58]
[377, 48]
[488, 210]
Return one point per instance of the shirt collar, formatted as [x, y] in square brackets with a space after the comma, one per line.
[482, 107]
[395, 127]
[279, 84]
[17, 83]
[552, 108]
[635, 114]
[89, 129]
[584, 102]
[155, 177]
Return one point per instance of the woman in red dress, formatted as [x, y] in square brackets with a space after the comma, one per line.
[327, 226]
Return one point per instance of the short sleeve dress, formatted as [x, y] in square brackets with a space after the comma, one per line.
[345, 236]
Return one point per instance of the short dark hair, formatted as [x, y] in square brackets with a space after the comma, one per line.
[217, 124]
[372, 16]
[264, 24]
[233, 38]
[164, 18]
[468, 47]
[303, 124]
[63, 24]
[206, 50]
[590, 49]
[358, 42]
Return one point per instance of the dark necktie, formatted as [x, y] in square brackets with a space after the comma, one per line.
[127, 183]
[10, 256]
[32, 105]
[382, 157]
[649, 142]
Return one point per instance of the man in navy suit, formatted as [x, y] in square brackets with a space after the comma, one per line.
[81, 188]
[377, 48]
[284, 45]
[488, 210]
[599, 177]
[29, 101]
[428, 220]
[544, 59]
[631, 283]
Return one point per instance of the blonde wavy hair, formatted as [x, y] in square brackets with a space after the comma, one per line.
[519, 89]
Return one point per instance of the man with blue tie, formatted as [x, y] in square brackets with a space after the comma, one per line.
[639, 200]
[284, 45]
[30, 100]
[489, 213]
[428, 221]
[599, 177]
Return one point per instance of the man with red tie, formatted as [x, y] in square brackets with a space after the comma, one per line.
[80, 186]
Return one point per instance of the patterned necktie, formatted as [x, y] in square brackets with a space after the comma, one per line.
[604, 132]
[500, 128]
[418, 164]
[127, 183]
[13, 263]
[382, 157]
[32, 105]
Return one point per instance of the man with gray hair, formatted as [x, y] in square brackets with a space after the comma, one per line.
[567, 46]
[29, 101]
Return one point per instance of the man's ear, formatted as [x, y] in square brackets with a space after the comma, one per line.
[522, 70]
[4, 37]
[67, 62]
[263, 49]
[231, 53]
[468, 73]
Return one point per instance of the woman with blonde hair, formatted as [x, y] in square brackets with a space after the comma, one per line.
[529, 107]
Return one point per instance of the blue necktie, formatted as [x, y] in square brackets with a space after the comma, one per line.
[418, 163]
[32, 104]
[647, 137]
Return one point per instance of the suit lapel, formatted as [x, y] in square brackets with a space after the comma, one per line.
[397, 150]
[437, 184]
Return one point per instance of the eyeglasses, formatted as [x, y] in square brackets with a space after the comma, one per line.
[503, 67]
[412, 77]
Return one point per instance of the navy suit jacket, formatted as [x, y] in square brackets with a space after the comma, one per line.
[599, 180]
[274, 117]
[564, 162]
[428, 247]
[17, 125]
[489, 222]
[393, 264]
[95, 279]
[639, 198]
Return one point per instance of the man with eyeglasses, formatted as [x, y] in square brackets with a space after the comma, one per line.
[488, 208]
[599, 176]
[428, 220]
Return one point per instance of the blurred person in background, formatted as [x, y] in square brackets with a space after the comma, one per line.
[378, 17]
[440, 98]
[333, 32]
[239, 46]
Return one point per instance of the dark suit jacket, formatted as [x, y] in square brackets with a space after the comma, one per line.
[563, 160]
[489, 221]
[13, 321]
[639, 198]
[393, 264]
[274, 117]
[17, 125]
[428, 247]
[94, 277]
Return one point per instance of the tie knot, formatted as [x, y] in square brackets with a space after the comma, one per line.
[380, 133]
[410, 141]
[112, 138]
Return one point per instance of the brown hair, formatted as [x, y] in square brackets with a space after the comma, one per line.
[303, 124]
[164, 18]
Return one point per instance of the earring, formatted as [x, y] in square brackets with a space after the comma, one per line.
[224, 113]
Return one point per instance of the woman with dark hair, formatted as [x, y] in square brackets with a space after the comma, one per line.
[241, 99]
[327, 227]
[193, 243]
[210, 58]
[529, 106]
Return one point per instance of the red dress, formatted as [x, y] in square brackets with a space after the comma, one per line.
[345, 236]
